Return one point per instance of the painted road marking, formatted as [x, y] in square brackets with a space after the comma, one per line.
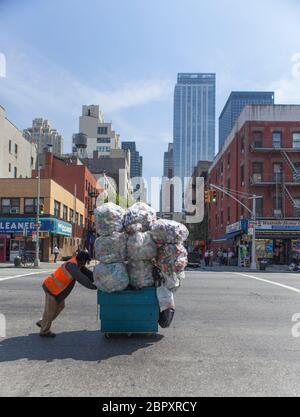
[287, 287]
[23, 275]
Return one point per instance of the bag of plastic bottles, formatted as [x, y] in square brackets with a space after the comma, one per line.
[140, 274]
[168, 231]
[172, 280]
[139, 218]
[109, 218]
[172, 257]
[141, 247]
[111, 277]
[111, 249]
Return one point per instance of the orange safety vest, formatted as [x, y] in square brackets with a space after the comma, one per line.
[60, 279]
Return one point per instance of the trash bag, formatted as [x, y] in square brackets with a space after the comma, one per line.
[168, 231]
[141, 247]
[165, 298]
[166, 318]
[172, 257]
[172, 280]
[140, 274]
[111, 277]
[139, 218]
[111, 249]
[109, 218]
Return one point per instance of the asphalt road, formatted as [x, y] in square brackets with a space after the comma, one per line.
[231, 336]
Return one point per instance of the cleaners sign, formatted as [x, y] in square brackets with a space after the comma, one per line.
[16, 226]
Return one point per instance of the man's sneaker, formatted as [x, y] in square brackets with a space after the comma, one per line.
[49, 334]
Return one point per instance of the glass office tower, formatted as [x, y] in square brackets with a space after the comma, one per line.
[194, 121]
[234, 106]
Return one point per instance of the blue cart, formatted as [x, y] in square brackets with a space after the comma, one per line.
[129, 311]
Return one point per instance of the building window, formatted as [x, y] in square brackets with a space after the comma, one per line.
[276, 139]
[102, 130]
[242, 144]
[257, 172]
[277, 172]
[56, 209]
[31, 161]
[16, 149]
[277, 205]
[10, 205]
[259, 207]
[258, 139]
[76, 217]
[228, 159]
[65, 213]
[81, 220]
[222, 218]
[30, 205]
[103, 140]
[228, 215]
[9, 146]
[242, 175]
[296, 140]
[9, 167]
[71, 216]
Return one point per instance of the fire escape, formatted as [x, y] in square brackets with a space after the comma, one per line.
[296, 178]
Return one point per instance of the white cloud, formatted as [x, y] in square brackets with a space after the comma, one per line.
[287, 89]
[34, 83]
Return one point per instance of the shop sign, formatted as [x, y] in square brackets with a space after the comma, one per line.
[278, 225]
[240, 226]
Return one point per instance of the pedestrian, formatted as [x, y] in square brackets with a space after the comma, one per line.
[206, 257]
[229, 257]
[211, 257]
[59, 285]
[220, 256]
[224, 258]
[56, 253]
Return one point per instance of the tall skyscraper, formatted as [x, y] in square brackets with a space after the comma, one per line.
[136, 161]
[194, 121]
[44, 135]
[234, 106]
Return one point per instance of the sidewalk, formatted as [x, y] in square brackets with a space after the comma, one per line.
[43, 265]
[224, 268]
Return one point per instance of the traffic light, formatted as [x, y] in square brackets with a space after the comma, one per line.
[207, 196]
[214, 196]
[41, 208]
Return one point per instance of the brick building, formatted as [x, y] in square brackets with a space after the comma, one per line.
[75, 177]
[62, 222]
[261, 156]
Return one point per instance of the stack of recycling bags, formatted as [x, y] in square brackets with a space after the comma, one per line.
[171, 259]
[110, 249]
[141, 248]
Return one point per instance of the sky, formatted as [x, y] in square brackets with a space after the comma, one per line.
[125, 55]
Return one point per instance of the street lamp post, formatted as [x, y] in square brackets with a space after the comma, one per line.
[253, 246]
[37, 254]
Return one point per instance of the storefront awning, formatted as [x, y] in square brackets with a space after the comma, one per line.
[17, 225]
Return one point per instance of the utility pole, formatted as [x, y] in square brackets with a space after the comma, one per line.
[37, 254]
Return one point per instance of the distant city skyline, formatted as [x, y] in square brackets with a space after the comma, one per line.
[53, 69]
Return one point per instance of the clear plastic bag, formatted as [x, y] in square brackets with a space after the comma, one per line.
[172, 257]
[111, 249]
[139, 218]
[165, 298]
[141, 247]
[140, 274]
[109, 218]
[111, 277]
[169, 231]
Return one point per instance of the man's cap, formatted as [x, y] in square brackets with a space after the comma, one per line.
[83, 256]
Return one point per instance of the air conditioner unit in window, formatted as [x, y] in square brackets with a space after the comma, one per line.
[15, 210]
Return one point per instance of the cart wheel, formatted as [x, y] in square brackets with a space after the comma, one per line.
[107, 335]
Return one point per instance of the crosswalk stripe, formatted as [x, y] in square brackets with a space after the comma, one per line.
[23, 275]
